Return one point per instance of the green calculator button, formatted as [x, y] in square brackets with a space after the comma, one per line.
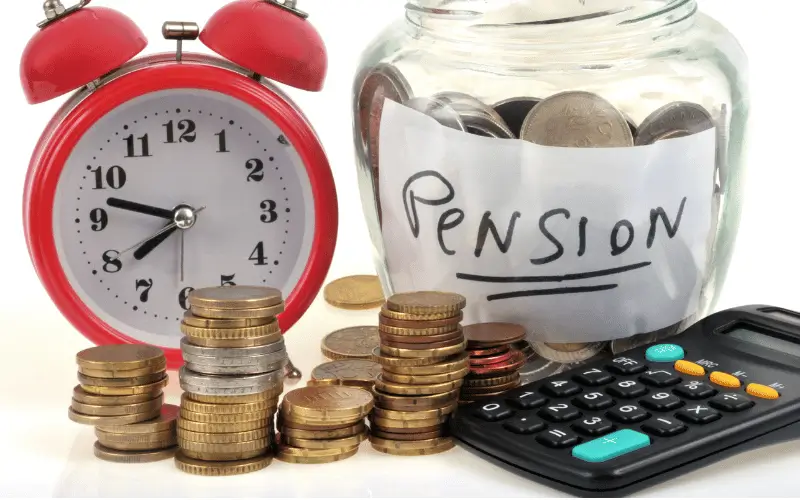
[664, 353]
[611, 446]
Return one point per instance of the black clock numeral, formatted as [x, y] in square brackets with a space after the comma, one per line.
[183, 298]
[257, 167]
[100, 219]
[258, 255]
[227, 280]
[147, 284]
[115, 177]
[187, 129]
[222, 143]
[111, 262]
[270, 215]
[131, 143]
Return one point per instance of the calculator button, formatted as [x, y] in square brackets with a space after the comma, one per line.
[694, 389]
[528, 400]
[690, 368]
[558, 438]
[698, 414]
[593, 377]
[626, 366]
[561, 388]
[628, 414]
[627, 389]
[731, 402]
[492, 412]
[664, 353]
[593, 426]
[762, 391]
[593, 401]
[664, 427]
[524, 425]
[725, 380]
[660, 378]
[662, 401]
[611, 446]
[559, 412]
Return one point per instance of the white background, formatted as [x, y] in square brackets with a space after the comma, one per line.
[43, 453]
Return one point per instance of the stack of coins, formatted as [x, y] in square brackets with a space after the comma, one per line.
[122, 385]
[424, 364]
[233, 378]
[138, 443]
[322, 424]
[494, 362]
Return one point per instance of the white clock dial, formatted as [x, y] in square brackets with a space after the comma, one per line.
[225, 162]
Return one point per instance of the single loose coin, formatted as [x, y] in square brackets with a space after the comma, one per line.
[223, 438]
[204, 468]
[283, 457]
[406, 403]
[577, 120]
[490, 360]
[412, 436]
[132, 457]
[124, 374]
[353, 430]
[391, 361]
[200, 322]
[113, 411]
[78, 394]
[115, 438]
[224, 409]
[405, 337]
[408, 445]
[120, 357]
[260, 312]
[445, 365]
[165, 420]
[426, 346]
[514, 111]
[493, 334]
[121, 382]
[220, 428]
[424, 379]
[246, 398]
[406, 416]
[676, 119]
[125, 391]
[248, 332]
[102, 421]
[417, 390]
[328, 402]
[401, 316]
[490, 381]
[391, 424]
[488, 351]
[451, 322]
[427, 303]
[235, 297]
[410, 333]
[235, 343]
[438, 352]
[353, 372]
[355, 292]
[215, 418]
[355, 342]
[323, 444]
[513, 364]
[440, 448]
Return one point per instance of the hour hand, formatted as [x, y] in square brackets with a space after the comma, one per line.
[140, 208]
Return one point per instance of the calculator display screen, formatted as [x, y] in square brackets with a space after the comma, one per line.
[769, 340]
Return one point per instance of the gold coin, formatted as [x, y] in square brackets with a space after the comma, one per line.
[244, 398]
[120, 419]
[441, 378]
[328, 402]
[235, 343]
[237, 447]
[114, 411]
[235, 297]
[355, 292]
[132, 457]
[409, 445]
[353, 430]
[296, 459]
[116, 438]
[220, 457]
[409, 436]
[417, 390]
[213, 418]
[270, 329]
[315, 424]
[125, 391]
[413, 415]
[385, 360]
[202, 468]
[439, 331]
[121, 382]
[226, 409]
[221, 428]
[137, 372]
[439, 352]
[406, 403]
[200, 322]
[490, 381]
[401, 316]
[261, 312]
[413, 324]
[153, 445]
[351, 372]
[355, 342]
[291, 451]
[324, 444]
[388, 423]
[81, 396]
[447, 365]
[445, 446]
[223, 438]
[120, 357]
[427, 303]
[165, 420]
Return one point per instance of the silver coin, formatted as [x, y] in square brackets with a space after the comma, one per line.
[225, 391]
[484, 126]
[196, 379]
[581, 352]
[485, 120]
[231, 352]
[437, 110]
[514, 111]
[577, 120]
[538, 369]
[236, 370]
[263, 360]
[677, 119]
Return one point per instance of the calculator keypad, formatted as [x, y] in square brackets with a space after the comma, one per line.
[662, 401]
[694, 389]
[593, 377]
[559, 412]
[627, 389]
[561, 388]
[660, 378]
[664, 427]
[698, 414]
[524, 425]
[558, 438]
[528, 400]
[731, 402]
[493, 412]
[628, 414]
[626, 366]
[593, 426]
[593, 401]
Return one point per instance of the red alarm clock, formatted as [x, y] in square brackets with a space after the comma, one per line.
[171, 172]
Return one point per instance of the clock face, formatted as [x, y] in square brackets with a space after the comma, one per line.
[220, 182]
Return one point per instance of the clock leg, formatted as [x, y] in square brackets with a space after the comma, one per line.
[291, 373]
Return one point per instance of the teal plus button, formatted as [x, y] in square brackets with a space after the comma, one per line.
[664, 353]
[611, 446]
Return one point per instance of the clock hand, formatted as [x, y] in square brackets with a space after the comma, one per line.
[150, 243]
[140, 208]
[183, 234]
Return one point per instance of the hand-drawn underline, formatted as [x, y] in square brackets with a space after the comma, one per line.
[552, 279]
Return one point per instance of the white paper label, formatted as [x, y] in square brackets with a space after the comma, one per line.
[575, 244]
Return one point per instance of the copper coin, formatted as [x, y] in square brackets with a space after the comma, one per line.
[410, 430]
[435, 345]
[488, 351]
[468, 398]
[452, 321]
[493, 334]
[475, 391]
[411, 436]
[490, 381]
[491, 360]
[421, 339]
[406, 403]
[516, 362]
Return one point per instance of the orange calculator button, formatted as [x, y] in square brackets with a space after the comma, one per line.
[690, 368]
[725, 380]
[762, 391]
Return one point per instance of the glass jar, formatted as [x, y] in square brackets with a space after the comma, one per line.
[585, 231]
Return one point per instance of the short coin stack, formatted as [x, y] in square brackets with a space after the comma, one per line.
[494, 362]
[120, 386]
[233, 378]
[424, 364]
[322, 424]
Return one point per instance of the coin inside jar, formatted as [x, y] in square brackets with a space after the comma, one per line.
[437, 110]
[677, 119]
[514, 111]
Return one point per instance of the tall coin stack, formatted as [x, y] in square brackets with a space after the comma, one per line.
[494, 362]
[322, 424]
[424, 364]
[233, 377]
[121, 392]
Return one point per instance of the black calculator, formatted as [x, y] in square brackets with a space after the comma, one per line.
[728, 384]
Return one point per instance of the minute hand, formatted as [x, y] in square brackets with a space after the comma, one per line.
[132, 206]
